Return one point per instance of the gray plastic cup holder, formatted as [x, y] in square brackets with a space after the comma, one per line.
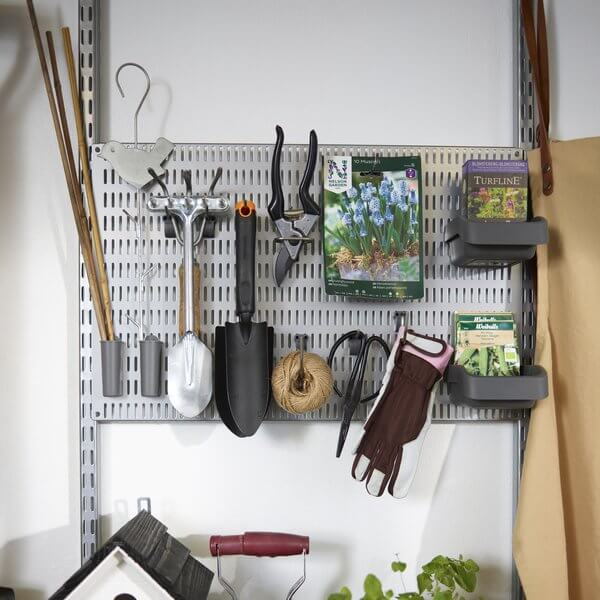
[493, 244]
[519, 391]
[151, 352]
[112, 355]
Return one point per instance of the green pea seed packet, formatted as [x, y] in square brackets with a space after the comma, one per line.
[373, 227]
[486, 343]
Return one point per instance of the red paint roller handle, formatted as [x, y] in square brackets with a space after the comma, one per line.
[259, 543]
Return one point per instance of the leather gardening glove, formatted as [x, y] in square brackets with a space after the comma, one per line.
[400, 411]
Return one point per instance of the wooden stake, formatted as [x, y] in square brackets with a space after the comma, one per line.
[87, 180]
[82, 231]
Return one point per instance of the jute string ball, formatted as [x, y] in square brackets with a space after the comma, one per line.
[300, 390]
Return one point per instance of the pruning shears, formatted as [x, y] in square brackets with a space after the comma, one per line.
[293, 225]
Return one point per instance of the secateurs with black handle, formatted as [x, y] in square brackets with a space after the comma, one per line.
[293, 225]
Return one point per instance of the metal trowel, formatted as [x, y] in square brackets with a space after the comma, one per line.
[190, 366]
[244, 350]
[190, 373]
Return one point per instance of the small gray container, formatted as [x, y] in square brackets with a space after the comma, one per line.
[151, 353]
[519, 391]
[494, 244]
[112, 355]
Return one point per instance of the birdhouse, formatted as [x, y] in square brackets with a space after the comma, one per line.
[140, 562]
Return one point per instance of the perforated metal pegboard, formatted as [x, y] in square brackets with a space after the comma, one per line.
[300, 305]
[524, 124]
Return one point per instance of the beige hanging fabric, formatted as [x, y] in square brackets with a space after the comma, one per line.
[557, 535]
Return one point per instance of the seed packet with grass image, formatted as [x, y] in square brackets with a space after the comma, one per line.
[486, 343]
[373, 227]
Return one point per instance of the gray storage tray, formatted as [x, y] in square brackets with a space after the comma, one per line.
[480, 244]
[520, 391]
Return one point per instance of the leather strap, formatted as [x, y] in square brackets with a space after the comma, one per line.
[537, 46]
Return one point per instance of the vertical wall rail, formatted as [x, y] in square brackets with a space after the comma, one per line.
[524, 137]
[88, 82]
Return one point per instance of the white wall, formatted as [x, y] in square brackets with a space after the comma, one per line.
[201, 479]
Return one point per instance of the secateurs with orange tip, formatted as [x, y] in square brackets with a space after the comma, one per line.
[244, 350]
[293, 225]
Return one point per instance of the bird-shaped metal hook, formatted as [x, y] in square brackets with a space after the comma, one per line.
[141, 103]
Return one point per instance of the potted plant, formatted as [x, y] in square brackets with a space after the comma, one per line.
[442, 578]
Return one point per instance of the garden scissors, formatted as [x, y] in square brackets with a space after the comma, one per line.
[360, 344]
[293, 225]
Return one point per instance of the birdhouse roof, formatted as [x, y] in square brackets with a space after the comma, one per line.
[167, 561]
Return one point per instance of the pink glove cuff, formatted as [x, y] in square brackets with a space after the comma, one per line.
[435, 352]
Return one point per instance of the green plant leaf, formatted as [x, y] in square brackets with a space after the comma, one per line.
[343, 594]
[409, 596]
[424, 582]
[398, 566]
[373, 589]
[443, 595]
[471, 565]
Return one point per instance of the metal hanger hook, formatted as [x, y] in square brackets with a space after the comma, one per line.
[120, 88]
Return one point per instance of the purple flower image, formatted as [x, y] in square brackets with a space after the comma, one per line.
[352, 192]
[347, 219]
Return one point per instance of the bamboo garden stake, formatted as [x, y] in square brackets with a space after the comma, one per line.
[76, 202]
[87, 180]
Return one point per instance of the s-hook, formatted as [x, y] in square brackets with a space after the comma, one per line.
[141, 103]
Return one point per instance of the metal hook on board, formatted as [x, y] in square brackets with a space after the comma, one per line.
[120, 88]
[301, 340]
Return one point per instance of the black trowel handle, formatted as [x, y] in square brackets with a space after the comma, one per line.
[245, 242]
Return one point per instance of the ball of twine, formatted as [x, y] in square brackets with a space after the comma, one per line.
[299, 392]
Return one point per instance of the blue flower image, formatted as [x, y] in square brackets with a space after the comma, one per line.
[378, 219]
[377, 223]
[374, 205]
[403, 187]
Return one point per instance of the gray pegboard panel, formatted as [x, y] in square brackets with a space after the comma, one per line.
[300, 305]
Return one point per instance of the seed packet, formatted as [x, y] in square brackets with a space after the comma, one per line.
[486, 343]
[495, 190]
[373, 229]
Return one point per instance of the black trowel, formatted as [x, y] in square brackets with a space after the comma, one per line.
[244, 350]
